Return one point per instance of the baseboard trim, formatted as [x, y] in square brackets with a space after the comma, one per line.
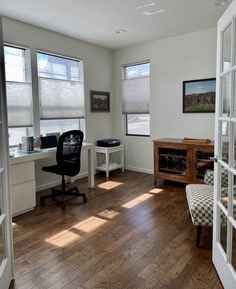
[56, 183]
[137, 169]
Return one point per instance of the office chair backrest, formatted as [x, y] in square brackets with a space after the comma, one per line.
[69, 150]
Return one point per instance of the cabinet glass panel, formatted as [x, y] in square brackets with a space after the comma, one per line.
[223, 231]
[203, 162]
[226, 93]
[227, 61]
[224, 130]
[234, 249]
[173, 161]
[2, 254]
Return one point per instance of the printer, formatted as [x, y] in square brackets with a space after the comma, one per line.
[110, 142]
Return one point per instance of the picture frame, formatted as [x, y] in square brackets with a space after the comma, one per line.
[199, 95]
[99, 101]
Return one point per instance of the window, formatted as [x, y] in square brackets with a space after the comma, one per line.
[61, 125]
[135, 98]
[61, 91]
[19, 93]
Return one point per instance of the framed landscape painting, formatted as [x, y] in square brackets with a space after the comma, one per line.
[199, 95]
[99, 101]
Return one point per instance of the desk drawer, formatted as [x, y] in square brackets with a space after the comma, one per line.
[20, 173]
[23, 197]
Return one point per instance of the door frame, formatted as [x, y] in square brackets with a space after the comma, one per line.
[221, 260]
[6, 267]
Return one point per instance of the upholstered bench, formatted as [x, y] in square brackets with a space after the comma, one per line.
[200, 203]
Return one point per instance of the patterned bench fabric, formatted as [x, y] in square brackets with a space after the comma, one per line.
[200, 202]
[209, 178]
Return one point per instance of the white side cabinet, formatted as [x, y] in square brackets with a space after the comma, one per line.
[22, 177]
[103, 159]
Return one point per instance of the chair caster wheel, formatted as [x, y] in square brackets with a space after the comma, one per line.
[85, 200]
[63, 206]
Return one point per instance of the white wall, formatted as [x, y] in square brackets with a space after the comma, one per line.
[98, 69]
[173, 60]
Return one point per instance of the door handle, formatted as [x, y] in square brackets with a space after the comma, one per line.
[214, 159]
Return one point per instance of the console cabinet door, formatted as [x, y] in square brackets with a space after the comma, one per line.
[172, 162]
[202, 161]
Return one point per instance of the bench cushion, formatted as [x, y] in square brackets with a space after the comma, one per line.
[200, 202]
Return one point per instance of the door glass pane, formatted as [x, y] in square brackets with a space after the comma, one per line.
[223, 231]
[234, 199]
[224, 187]
[204, 162]
[1, 194]
[227, 61]
[234, 78]
[2, 255]
[226, 87]
[224, 130]
[234, 249]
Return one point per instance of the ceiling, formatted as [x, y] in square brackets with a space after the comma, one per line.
[96, 21]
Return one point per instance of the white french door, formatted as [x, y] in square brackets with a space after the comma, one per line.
[224, 227]
[6, 255]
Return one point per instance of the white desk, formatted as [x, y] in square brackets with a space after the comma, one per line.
[22, 177]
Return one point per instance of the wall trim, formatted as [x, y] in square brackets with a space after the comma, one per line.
[138, 169]
[58, 182]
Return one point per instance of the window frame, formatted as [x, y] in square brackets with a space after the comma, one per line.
[124, 76]
[32, 75]
[79, 60]
[81, 79]
[126, 126]
[28, 79]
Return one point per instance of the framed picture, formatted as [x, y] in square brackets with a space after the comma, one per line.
[99, 101]
[199, 95]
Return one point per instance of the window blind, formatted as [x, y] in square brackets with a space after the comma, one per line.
[61, 99]
[19, 104]
[136, 95]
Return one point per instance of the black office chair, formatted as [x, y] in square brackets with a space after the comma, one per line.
[68, 164]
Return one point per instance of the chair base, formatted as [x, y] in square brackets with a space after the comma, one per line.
[69, 190]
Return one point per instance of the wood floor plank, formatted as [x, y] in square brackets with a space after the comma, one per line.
[129, 235]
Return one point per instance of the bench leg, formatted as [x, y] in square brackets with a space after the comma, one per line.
[199, 231]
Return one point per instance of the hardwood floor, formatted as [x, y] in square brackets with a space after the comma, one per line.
[129, 235]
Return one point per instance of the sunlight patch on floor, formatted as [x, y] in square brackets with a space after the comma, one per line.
[156, 191]
[109, 185]
[90, 224]
[108, 214]
[63, 238]
[137, 201]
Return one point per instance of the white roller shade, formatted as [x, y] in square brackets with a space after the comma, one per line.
[136, 95]
[19, 104]
[61, 98]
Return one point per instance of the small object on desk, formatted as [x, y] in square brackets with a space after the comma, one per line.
[48, 141]
[37, 143]
[110, 142]
[19, 147]
[27, 143]
[196, 140]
